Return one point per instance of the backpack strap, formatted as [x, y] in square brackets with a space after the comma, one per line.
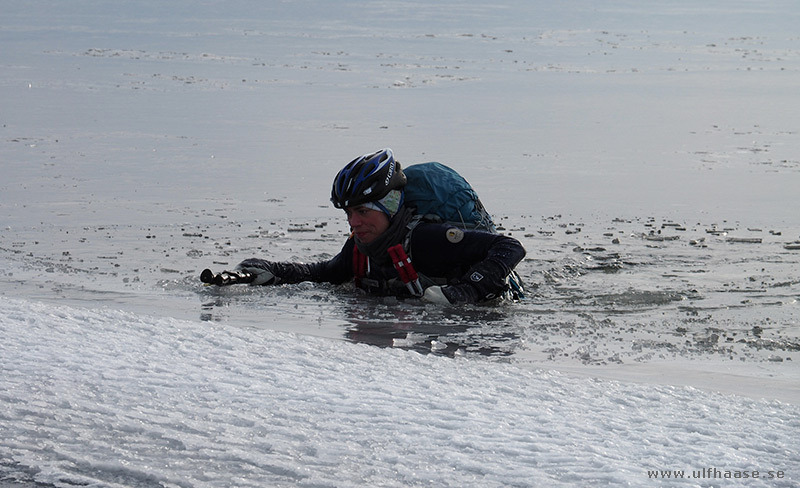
[412, 224]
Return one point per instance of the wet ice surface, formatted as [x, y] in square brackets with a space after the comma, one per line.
[646, 156]
[615, 292]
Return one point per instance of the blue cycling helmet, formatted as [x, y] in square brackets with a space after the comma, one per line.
[367, 178]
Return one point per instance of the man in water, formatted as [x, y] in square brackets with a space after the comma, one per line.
[392, 251]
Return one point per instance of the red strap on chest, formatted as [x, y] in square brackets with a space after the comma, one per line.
[359, 263]
[402, 263]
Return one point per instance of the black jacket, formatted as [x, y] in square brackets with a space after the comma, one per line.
[439, 254]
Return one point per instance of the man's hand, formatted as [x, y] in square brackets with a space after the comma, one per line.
[262, 270]
[451, 294]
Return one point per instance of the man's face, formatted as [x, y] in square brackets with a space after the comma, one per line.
[367, 224]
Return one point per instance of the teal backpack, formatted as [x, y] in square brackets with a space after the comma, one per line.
[440, 193]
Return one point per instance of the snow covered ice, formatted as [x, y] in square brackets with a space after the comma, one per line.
[646, 155]
[119, 399]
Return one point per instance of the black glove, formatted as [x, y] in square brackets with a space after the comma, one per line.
[263, 271]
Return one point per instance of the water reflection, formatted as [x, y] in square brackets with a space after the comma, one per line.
[343, 312]
[430, 329]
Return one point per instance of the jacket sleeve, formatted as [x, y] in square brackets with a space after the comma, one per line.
[337, 270]
[488, 276]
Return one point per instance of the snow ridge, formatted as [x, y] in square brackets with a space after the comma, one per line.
[111, 398]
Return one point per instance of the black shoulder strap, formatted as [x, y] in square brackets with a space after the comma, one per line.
[415, 221]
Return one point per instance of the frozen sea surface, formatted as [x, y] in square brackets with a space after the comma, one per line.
[645, 154]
